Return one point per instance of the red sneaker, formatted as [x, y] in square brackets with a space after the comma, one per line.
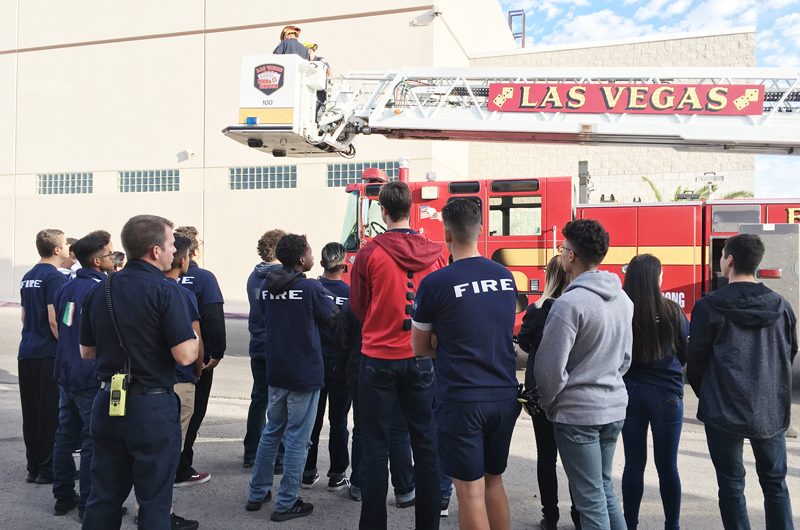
[197, 478]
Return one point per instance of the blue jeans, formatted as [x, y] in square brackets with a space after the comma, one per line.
[382, 384]
[74, 421]
[290, 413]
[662, 409]
[726, 454]
[400, 464]
[587, 452]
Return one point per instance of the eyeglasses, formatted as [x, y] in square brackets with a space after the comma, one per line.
[562, 248]
[199, 242]
[107, 255]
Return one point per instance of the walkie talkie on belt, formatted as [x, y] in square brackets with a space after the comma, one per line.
[121, 380]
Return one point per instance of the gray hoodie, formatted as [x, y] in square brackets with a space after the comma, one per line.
[585, 351]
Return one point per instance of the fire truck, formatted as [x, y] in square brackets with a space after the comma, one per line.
[288, 108]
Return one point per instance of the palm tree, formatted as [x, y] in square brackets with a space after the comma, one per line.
[704, 192]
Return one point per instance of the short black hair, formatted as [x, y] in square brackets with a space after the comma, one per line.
[589, 238]
[290, 248]
[90, 246]
[143, 232]
[747, 251]
[462, 218]
[396, 198]
[119, 258]
[333, 257]
[190, 232]
[182, 246]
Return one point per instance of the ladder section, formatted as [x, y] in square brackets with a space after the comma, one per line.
[454, 104]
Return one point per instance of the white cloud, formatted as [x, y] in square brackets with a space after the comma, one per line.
[552, 10]
[782, 60]
[790, 27]
[777, 176]
[779, 4]
[662, 8]
[711, 15]
[602, 25]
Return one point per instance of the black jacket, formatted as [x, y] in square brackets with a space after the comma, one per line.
[530, 335]
[743, 341]
[347, 345]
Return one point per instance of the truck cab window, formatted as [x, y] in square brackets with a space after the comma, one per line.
[515, 216]
[350, 237]
[375, 225]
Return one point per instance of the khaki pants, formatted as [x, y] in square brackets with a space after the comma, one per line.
[185, 392]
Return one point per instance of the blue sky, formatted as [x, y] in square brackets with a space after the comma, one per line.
[777, 22]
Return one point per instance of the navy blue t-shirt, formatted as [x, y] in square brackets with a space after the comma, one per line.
[185, 374]
[36, 291]
[71, 371]
[291, 46]
[470, 305]
[152, 316]
[206, 290]
[294, 354]
[339, 293]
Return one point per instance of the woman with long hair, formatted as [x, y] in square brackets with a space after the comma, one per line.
[655, 390]
[529, 337]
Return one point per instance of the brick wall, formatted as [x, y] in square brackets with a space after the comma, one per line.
[619, 170]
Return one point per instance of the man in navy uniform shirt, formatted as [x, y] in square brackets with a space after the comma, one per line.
[470, 306]
[37, 351]
[335, 389]
[76, 377]
[204, 285]
[294, 309]
[141, 448]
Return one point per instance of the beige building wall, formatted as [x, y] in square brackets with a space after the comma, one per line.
[619, 170]
[103, 87]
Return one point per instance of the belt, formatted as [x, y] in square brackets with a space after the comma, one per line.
[136, 389]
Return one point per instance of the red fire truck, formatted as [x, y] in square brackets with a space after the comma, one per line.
[522, 219]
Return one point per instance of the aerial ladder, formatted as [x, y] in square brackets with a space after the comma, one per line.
[288, 107]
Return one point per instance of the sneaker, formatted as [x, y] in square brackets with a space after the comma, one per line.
[247, 464]
[254, 506]
[179, 523]
[31, 478]
[42, 479]
[338, 484]
[407, 504]
[64, 507]
[300, 509]
[197, 478]
[544, 525]
[445, 507]
[308, 482]
[355, 493]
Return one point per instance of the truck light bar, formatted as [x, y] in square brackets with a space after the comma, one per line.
[769, 273]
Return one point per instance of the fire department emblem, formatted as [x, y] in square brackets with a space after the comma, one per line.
[268, 78]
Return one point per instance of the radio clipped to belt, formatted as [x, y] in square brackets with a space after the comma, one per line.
[122, 379]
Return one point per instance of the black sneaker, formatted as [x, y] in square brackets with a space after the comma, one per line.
[308, 482]
[338, 484]
[179, 523]
[300, 509]
[247, 464]
[254, 506]
[445, 507]
[544, 525]
[64, 507]
[43, 479]
[31, 478]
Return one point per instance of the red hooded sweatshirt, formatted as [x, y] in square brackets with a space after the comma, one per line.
[384, 281]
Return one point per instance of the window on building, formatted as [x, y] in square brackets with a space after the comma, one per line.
[63, 183]
[515, 216]
[340, 175]
[262, 178]
[153, 180]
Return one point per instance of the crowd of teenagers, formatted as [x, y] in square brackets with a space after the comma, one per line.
[424, 354]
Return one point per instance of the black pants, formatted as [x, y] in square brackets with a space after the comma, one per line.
[139, 449]
[336, 392]
[202, 391]
[38, 393]
[546, 456]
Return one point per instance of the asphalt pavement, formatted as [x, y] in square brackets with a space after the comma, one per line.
[219, 503]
